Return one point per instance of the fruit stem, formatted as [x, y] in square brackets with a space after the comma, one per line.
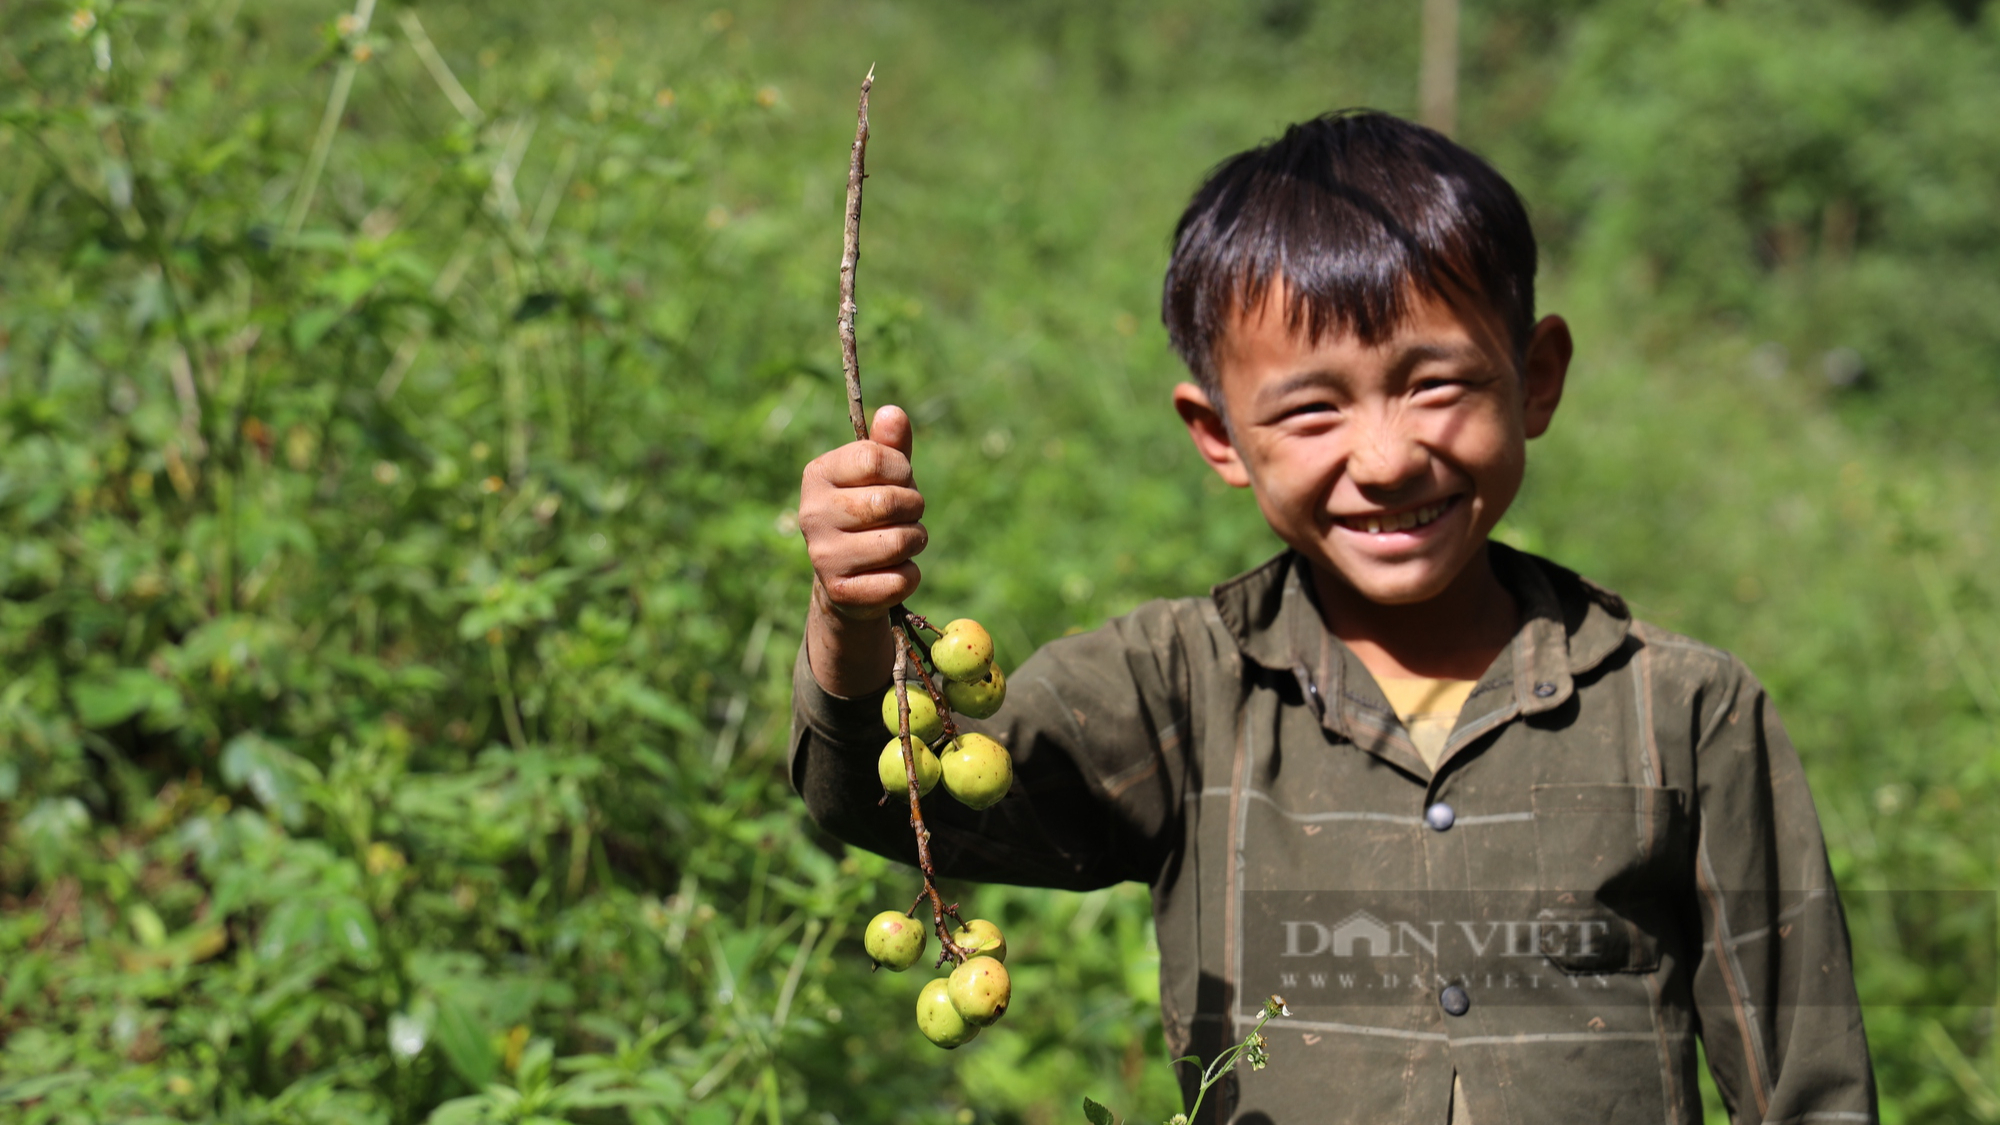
[930, 686]
[904, 662]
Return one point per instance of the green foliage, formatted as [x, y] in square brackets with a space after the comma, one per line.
[401, 426]
[394, 667]
[1812, 177]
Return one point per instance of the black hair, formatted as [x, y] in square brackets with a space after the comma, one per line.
[1352, 213]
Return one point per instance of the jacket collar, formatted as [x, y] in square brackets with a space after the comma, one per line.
[1568, 626]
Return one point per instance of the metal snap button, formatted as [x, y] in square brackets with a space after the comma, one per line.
[1440, 816]
[1545, 689]
[1454, 1000]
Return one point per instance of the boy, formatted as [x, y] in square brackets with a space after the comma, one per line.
[1569, 843]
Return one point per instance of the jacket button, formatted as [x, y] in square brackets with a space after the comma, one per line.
[1440, 816]
[1544, 689]
[1454, 1000]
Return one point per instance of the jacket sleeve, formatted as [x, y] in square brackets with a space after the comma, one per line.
[1774, 986]
[1095, 724]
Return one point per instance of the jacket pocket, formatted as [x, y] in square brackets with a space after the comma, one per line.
[1610, 867]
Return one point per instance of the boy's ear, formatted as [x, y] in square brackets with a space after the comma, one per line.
[1210, 432]
[1543, 371]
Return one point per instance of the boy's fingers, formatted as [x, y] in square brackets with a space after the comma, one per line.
[872, 592]
[860, 552]
[891, 427]
[888, 547]
[861, 463]
[859, 509]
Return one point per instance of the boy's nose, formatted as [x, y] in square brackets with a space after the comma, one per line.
[1386, 457]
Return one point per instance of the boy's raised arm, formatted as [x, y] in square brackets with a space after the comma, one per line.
[1081, 713]
[859, 510]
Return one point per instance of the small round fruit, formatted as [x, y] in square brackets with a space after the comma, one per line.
[938, 1018]
[964, 651]
[894, 940]
[980, 698]
[977, 770]
[981, 936]
[890, 767]
[925, 722]
[979, 989]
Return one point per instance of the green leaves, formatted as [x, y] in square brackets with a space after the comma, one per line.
[467, 1044]
[273, 774]
[36, 1089]
[110, 698]
[51, 830]
[507, 601]
[1760, 164]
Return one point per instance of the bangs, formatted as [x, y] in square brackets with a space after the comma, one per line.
[1353, 216]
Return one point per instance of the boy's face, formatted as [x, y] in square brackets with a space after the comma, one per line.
[1386, 465]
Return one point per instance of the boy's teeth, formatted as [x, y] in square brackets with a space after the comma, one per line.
[1401, 521]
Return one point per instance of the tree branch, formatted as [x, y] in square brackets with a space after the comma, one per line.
[900, 618]
[850, 256]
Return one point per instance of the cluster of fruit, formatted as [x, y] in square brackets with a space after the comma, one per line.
[978, 772]
[951, 1009]
[974, 768]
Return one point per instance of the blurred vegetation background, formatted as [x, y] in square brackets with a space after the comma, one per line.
[403, 408]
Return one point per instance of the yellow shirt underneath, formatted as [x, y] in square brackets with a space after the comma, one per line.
[1429, 709]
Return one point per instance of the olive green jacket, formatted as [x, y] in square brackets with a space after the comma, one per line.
[1616, 855]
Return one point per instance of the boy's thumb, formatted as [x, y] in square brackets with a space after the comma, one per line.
[891, 427]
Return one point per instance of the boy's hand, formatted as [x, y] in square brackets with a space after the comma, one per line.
[859, 510]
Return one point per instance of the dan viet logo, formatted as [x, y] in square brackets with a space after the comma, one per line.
[1528, 947]
[1361, 934]
[1603, 949]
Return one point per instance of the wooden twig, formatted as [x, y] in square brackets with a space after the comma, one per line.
[899, 617]
[850, 256]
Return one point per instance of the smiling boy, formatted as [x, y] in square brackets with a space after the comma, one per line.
[1508, 852]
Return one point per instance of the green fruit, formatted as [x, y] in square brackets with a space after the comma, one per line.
[939, 1020]
[925, 722]
[894, 941]
[979, 989]
[977, 770]
[964, 651]
[981, 936]
[890, 766]
[980, 698]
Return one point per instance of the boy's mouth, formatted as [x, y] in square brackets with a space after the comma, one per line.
[1395, 521]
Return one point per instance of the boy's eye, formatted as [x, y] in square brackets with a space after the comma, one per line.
[1309, 408]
